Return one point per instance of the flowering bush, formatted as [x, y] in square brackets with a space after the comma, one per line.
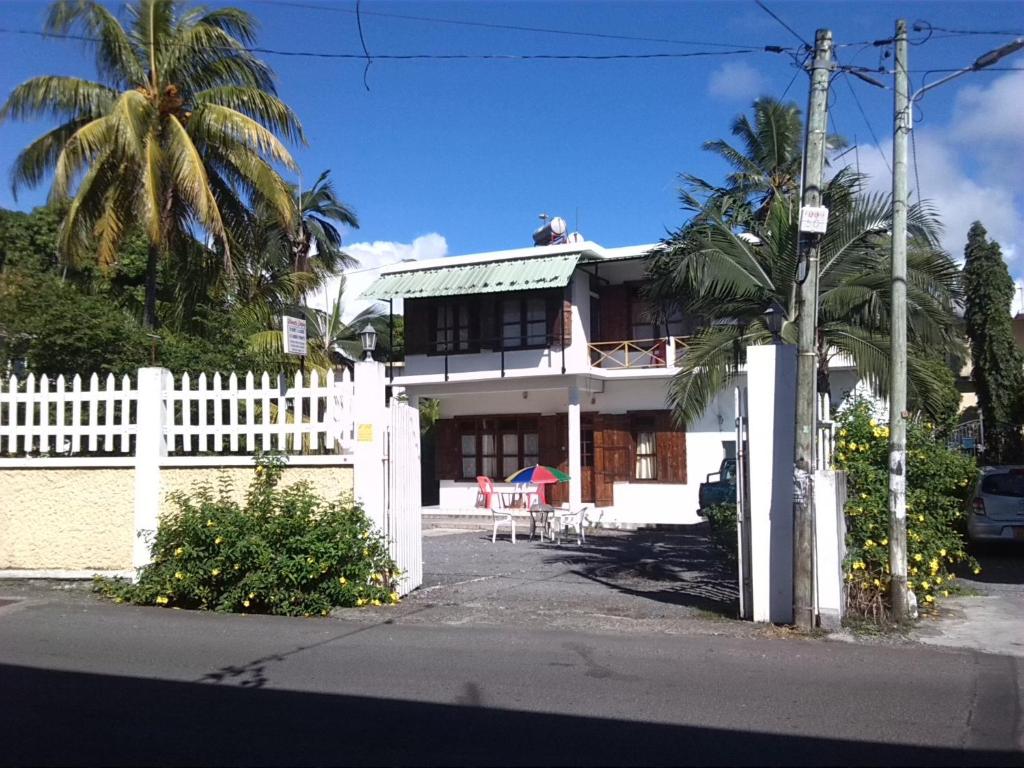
[938, 482]
[286, 551]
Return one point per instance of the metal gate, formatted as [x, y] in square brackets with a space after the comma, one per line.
[403, 526]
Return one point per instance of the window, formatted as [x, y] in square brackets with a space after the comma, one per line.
[639, 319]
[646, 440]
[497, 447]
[452, 322]
[525, 321]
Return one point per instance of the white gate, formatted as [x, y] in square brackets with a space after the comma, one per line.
[402, 510]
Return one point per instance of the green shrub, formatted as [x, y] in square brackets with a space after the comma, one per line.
[938, 482]
[287, 551]
[722, 518]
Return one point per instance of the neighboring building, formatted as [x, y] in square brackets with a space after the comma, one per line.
[545, 355]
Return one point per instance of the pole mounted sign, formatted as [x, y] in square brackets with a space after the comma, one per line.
[293, 334]
[814, 219]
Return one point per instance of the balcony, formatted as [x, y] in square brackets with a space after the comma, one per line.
[634, 354]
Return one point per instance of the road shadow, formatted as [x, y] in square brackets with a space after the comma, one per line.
[1002, 562]
[679, 567]
[69, 718]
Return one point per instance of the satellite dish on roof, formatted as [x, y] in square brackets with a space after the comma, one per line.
[551, 233]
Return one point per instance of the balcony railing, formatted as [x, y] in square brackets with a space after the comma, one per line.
[638, 353]
[495, 344]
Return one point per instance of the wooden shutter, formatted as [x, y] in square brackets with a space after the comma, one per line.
[612, 454]
[614, 313]
[671, 447]
[417, 326]
[448, 456]
[554, 452]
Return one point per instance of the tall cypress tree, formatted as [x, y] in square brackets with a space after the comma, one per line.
[998, 366]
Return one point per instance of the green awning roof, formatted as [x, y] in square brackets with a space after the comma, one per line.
[489, 277]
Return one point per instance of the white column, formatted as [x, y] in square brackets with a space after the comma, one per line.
[771, 419]
[150, 448]
[575, 456]
[371, 423]
[829, 551]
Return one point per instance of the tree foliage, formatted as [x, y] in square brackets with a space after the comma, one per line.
[998, 366]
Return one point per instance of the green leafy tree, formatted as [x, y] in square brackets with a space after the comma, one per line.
[998, 367]
[178, 138]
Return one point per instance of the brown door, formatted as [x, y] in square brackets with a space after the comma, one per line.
[612, 455]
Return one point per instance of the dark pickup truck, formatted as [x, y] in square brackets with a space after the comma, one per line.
[721, 490]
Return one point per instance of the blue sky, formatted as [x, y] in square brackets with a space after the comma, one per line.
[452, 157]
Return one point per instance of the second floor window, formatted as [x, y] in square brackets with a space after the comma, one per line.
[452, 322]
[524, 322]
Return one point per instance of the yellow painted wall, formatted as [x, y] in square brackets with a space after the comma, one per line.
[329, 482]
[66, 519]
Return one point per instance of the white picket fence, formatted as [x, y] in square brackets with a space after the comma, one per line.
[402, 510]
[221, 414]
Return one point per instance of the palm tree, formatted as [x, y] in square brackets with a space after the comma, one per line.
[730, 279]
[767, 166]
[179, 139]
[320, 213]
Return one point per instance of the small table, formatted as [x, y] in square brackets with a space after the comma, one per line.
[541, 513]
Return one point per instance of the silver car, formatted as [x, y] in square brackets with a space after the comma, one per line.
[996, 508]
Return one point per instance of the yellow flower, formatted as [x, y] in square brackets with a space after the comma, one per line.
[309, 559]
[853, 447]
[910, 585]
[179, 575]
[161, 600]
[215, 572]
[929, 599]
[885, 542]
[841, 444]
[179, 551]
[375, 601]
[118, 599]
[245, 603]
[877, 583]
[360, 602]
[919, 557]
[913, 571]
[366, 553]
[869, 544]
[343, 581]
[863, 495]
[977, 571]
[873, 422]
[842, 432]
[925, 585]
[393, 597]
[938, 579]
[366, 534]
[210, 523]
[218, 540]
[252, 595]
[934, 565]
[963, 483]
[863, 447]
[920, 518]
[237, 566]
[945, 593]
[942, 552]
[840, 457]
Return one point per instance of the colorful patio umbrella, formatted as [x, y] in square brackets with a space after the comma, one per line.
[539, 475]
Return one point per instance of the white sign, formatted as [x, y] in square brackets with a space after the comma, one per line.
[293, 333]
[814, 219]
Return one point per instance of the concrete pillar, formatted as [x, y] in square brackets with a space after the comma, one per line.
[829, 549]
[150, 449]
[575, 454]
[771, 371]
[371, 417]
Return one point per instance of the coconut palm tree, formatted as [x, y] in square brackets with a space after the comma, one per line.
[767, 164]
[731, 278]
[321, 212]
[178, 138]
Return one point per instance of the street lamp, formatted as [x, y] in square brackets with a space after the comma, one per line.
[774, 320]
[904, 122]
[368, 336]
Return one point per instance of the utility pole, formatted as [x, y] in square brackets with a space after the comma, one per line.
[807, 362]
[898, 336]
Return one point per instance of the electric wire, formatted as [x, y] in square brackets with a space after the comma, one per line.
[792, 31]
[436, 56]
[863, 114]
[510, 27]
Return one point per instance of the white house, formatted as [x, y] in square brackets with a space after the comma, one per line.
[545, 355]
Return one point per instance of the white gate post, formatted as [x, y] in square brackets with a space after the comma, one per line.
[771, 420]
[150, 448]
[370, 413]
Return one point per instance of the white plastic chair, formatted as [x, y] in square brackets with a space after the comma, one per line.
[485, 499]
[564, 518]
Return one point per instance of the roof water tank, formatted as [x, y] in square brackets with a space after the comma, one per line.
[551, 233]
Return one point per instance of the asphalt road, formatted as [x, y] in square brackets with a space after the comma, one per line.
[86, 682]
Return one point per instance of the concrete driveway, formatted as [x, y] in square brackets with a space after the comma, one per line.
[650, 581]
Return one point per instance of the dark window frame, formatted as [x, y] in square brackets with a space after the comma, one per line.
[643, 423]
[497, 426]
[520, 301]
[466, 315]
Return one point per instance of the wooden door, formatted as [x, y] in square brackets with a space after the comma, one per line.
[612, 455]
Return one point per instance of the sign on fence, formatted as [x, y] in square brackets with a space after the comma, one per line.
[293, 334]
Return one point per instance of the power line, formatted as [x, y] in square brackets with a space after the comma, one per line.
[871, 130]
[436, 56]
[511, 27]
[921, 25]
[792, 31]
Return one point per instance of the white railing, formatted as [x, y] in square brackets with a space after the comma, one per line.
[48, 417]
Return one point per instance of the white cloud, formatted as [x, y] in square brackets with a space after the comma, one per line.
[372, 256]
[737, 81]
[969, 168]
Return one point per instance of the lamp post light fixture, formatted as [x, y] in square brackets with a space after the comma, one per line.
[369, 338]
[774, 320]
